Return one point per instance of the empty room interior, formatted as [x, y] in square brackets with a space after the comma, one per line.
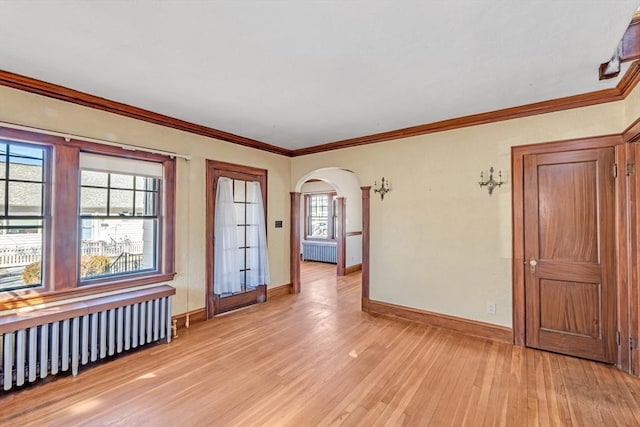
[301, 213]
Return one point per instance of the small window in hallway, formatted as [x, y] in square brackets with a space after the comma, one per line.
[321, 216]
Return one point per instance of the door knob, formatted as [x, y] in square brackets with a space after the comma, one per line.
[532, 264]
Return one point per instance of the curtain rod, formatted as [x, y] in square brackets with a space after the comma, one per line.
[68, 136]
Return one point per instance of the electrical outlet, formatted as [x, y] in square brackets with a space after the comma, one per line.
[491, 308]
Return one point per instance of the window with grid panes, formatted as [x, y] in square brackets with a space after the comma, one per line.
[23, 207]
[77, 218]
[321, 219]
[247, 230]
[118, 218]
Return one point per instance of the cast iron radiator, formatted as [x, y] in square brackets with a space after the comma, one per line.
[46, 342]
[319, 251]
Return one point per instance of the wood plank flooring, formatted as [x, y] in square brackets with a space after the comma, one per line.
[315, 359]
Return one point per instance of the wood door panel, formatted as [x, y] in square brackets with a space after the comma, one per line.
[570, 307]
[234, 302]
[569, 271]
[570, 294]
[580, 346]
[568, 230]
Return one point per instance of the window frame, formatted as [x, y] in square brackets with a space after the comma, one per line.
[62, 225]
[97, 280]
[331, 214]
[242, 246]
[46, 211]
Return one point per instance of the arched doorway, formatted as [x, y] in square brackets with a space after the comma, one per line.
[353, 224]
[322, 228]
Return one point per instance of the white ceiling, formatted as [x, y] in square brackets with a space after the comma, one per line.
[298, 73]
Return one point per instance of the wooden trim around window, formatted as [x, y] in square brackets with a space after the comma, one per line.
[517, 171]
[61, 269]
[169, 216]
[330, 210]
[32, 297]
[65, 207]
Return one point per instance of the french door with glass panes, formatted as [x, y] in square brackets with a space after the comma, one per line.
[240, 182]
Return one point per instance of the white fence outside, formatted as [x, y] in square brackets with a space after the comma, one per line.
[20, 256]
[14, 257]
[111, 249]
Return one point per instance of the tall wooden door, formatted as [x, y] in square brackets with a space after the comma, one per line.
[240, 176]
[570, 287]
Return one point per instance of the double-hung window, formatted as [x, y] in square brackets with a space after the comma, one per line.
[78, 218]
[23, 207]
[321, 216]
[119, 200]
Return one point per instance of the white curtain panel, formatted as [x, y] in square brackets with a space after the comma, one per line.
[257, 259]
[226, 277]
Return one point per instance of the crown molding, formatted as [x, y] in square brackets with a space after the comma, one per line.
[620, 92]
[62, 93]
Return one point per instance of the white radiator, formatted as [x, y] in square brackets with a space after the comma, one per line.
[46, 349]
[319, 251]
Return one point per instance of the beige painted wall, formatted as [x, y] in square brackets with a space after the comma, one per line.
[438, 241]
[32, 110]
[316, 187]
[632, 107]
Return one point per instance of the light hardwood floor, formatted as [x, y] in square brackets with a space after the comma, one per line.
[315, 359]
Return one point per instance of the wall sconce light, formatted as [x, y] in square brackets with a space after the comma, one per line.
[491, 183]
[384, 188]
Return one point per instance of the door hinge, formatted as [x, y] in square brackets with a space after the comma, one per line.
[615, 170]
[630, 168]
[633, 343]
[617, 338]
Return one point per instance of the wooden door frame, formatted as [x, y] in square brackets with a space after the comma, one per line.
[338, 233]
[294, 244]
[366, 205]
[518, 258]
[294, 288]
[341, 237]
[630, 253]
[214, 169]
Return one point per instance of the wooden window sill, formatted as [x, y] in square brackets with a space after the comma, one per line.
[37, 316]
[18, 299]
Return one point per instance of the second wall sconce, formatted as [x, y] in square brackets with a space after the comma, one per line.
[384, 188]
[490, 183]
